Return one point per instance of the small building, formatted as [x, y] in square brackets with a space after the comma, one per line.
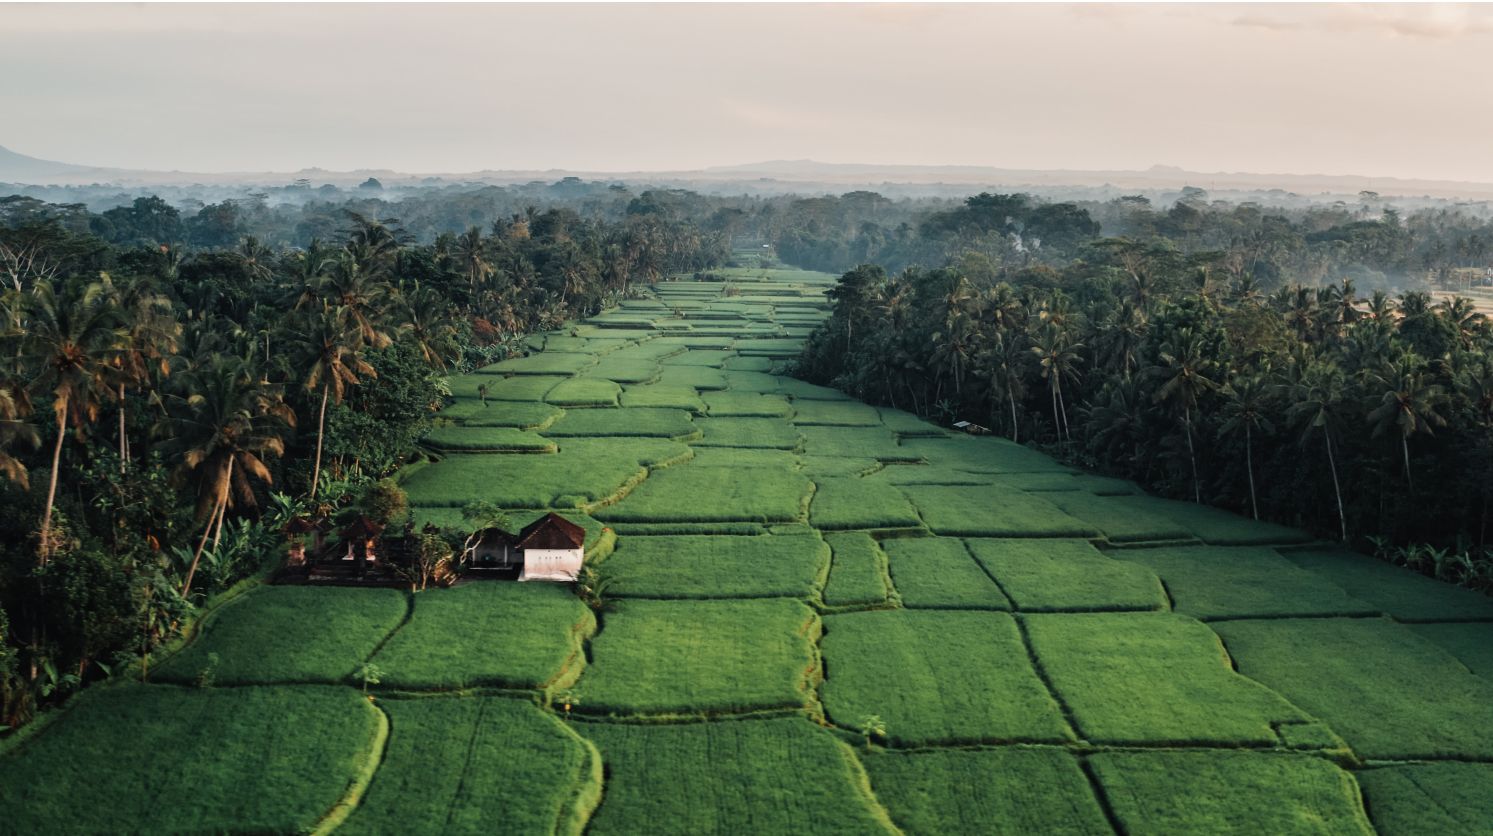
[972, 429]
[551, 548]
[301, 532]
[361, 536]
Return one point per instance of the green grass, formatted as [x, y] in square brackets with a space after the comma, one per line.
[585, 470]
[858, 573]
[728, 529]
[711, 357]
[663, 396]
[937, 572]
[1049, 575]
[487, 439]
[1470, 642]
[704, 566]
[983, 454]
[1242, 582]
[517, 388]
[775, 348]
[584, 391]
[1384, 689]
[801, 391]
[752, 381]
[907, 425]
[834, 414]
[1429, 799]
[936, 677]
[700, 658]
[851, 502]
[1213, 526]
[769, 433]
[780, 775]
[478, 764]
[1403, 594]
[488, 633]
[1153, 678]
[962, 511]
[748, 364]
[1229, 792]
[853, 442]
[909, 473]
[160, 759]
[547, 362]
[692, 493]
[1118, 522]
[452, 520]
[517, 414]
[838, 467]
[270, 635]
[656, 423]
[624, 370]
[745, 405]
[697, 377]
[1002, 792]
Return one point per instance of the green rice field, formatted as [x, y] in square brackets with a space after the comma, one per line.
[815, 616]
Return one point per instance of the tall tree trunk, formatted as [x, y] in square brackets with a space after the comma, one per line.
[1192, 456]
[321, 426]
[223, 512]
[1014, 426]
[186, 586]
[1249, 467]
[1057, 426]
[124, 452]
[1405, 449]
[46, 517]
[1342, 519]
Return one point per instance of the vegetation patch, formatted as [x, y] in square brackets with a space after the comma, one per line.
[1429, 798]
[1050, 575]
[936, 677]
[1004, 792]
[265, 636]
[517, 414]
[624, 370]
[701, 658]
[1390, 693]
[771, 433]
[1243, 582]
[584, 391]
[834, 414]
[854, 442]
[962, 511]
[1229, 792]
[1117, 521]
[858, 573]
[983, 455]
[781, 775]
[748, 364]
[664, 396]
[938, 572]
[488, 440]
[479, 764]
[744, 457]
[850, 502]
[1403, 594]
[585, 471]
[1470, 642]
[917, 473]
[745, 405]
[656, 423]
[713, 494]
[704, 566]
[907, 425]
[802, 391]
[545, 362]
[1213, 526]
[160, 759]
[751, 381]
[1151, 679]
[836, 467]
[515, 388]
[697, 377]
[488, 633]
[704, 356]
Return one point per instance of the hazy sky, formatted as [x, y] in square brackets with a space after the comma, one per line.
[1378, 90]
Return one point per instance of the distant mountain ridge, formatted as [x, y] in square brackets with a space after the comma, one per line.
[803, 175]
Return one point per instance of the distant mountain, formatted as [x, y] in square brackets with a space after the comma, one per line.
[804, 176]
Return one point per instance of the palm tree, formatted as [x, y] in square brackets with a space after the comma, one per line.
[1246, 400]
[347, 285]
[330, 347]
[14, 407]
[150, 339]
[1058, 360]
[71, 338]
[1183, 379]
[222, 431]
[471, 253]
[1002, 367]
[427, 321]
[1316, 396]
[1409, 404]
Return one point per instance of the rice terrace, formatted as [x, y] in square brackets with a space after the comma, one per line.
[819, 616]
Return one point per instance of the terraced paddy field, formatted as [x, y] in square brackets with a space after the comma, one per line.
[821, 617]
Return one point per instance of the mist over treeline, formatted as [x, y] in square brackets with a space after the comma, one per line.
[1276, 237]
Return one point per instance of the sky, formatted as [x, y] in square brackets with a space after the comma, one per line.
[1379, 90]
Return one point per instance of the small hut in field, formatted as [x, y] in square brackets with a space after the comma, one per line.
[551, 548]
[361, 536]
[301, 532]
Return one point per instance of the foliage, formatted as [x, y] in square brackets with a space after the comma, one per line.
[706, 566]
[693, 492]
[938, 573]
[857, 573]
[1052, 575]
[841, 503]
[1246, 582]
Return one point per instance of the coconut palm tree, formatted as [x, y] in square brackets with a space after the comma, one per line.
[471, 254]
[71, 338]
[222, 430]
[150, 339]
[426, 320]
[1182, 377]
[1246, 400]
[329, 348]
[363, 298]
[1058, 360]
[14, 430]
[1409, 405]
[1316, 392]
